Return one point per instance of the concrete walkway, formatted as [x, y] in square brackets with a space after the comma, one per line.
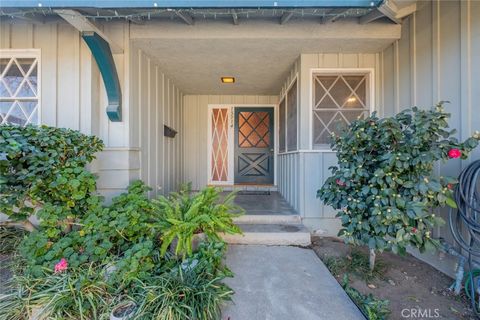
[284, 283]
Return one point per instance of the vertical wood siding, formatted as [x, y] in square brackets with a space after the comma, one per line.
[73, 95]
[438, 58]
[302, 173]
[156, 102]
[195, 124]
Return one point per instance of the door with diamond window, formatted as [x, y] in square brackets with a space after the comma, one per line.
[254, 145]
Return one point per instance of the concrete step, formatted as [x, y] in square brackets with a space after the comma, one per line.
[252, 188]
[271, 234]
[268, 219]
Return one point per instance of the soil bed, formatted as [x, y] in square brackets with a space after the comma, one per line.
[406, 282]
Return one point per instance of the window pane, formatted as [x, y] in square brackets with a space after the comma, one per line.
[253, 129]
[4, 108]
[13, 78]
[219, 162]
[19, 90]
[339, 100]
[340, 92]
[15, 115]
[281, 123]
[3, 64]
[292, 117]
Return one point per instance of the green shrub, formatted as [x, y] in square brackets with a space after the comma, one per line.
[44, 167]
[80, 293]
[185, 214]
[111, 251]
[125, 234]
[384, 182]
[10, 238]
[190, 290]
[372, 308]
[184, 295]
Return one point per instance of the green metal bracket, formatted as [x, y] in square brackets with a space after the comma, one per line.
[103, 56]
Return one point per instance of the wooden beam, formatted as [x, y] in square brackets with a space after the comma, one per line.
[82, 24]
[371, 16]
[188, 19]
[234, 17]
[285, 17]
[394, 13]
[333, 15]
[102, 54]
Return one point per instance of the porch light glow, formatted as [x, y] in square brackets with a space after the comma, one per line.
[228, 79]
[351, 99]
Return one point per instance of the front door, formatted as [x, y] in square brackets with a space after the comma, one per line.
[254, 145]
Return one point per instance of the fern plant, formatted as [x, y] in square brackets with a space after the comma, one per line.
[185, 214]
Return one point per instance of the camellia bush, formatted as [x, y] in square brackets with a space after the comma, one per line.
[384, 184]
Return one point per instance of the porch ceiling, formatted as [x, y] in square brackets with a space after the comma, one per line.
[259, 58]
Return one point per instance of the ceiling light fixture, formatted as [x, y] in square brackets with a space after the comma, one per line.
[228, 79]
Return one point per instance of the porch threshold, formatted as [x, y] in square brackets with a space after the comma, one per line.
[264, 204]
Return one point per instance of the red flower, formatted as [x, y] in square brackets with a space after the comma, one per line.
[414, 230]
[61, 266]
[450, 186]
[454, 153]
[340, 183]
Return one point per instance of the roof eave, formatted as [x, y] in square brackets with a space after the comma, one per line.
[192, 4]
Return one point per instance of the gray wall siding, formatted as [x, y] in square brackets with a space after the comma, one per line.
[155, 101]
[438, 59]
[302, 173]
[288, 178]
[73, 95]
[195, 123]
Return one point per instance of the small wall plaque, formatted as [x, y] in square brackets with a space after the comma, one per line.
[169, 132]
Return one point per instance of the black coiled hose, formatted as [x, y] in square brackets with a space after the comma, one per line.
[465, 221]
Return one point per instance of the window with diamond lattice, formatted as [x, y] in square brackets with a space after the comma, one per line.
[219, 162]
[19, 88]
[337, 101]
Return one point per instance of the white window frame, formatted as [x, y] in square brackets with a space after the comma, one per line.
[284, 97]
[370, 72]
[25, 54]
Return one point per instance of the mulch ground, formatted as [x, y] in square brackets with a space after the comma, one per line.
[407, 283]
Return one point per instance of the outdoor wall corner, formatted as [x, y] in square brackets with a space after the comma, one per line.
[103, 56]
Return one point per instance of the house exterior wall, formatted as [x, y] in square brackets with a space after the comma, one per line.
[73, 96]
[72, 91]
[155, 101]
[302, 172]
[195, 124]
[438, 59]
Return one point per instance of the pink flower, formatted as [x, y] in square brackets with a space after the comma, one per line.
[454, 153]
[414, 230]
[61, 266]
[340, 183]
